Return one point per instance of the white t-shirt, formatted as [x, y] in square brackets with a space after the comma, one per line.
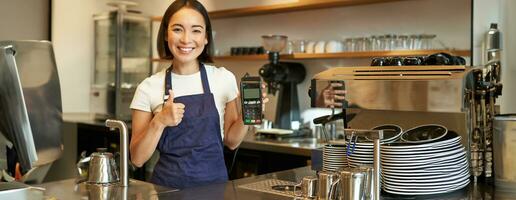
[149, 94]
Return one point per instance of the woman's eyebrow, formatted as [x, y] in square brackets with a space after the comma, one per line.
[193, 26]
[197, 26]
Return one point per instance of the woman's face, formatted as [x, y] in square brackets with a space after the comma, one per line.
[186, 35]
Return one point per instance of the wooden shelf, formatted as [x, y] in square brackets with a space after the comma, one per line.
[369, 54]
[286, 7]
[342, 55]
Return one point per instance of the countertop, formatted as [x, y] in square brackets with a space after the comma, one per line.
[230, 190]
[68, 189]
[233, 190]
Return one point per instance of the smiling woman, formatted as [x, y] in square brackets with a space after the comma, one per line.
[190, 110]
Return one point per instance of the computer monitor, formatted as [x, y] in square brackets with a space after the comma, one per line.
[30, 102]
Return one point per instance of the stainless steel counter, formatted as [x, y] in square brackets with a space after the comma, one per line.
[231, 190]
[68, 189]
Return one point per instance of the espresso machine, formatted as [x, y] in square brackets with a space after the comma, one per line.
[458, 97]
[122, 60]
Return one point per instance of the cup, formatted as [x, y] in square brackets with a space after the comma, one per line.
[319, 47]
[309, 48]
[333, 46]
[308, 187]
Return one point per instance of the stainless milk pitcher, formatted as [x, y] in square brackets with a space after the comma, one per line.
[351, 183]
[326, 180]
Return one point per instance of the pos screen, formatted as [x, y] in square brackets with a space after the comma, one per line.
[252, 93]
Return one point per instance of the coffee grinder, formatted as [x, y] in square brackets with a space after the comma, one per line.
[282, 77]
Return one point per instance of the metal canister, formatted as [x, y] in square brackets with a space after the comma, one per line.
[504, 149]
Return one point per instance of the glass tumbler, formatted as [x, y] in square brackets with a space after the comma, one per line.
[350, 44]
[427, 41]
[298, 46]
[375, 43]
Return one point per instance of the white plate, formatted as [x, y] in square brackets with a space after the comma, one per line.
[335, 155]
[438, 131]
[335, 163]
[440, 161]
[449, 138]
[423, 176]
[359, 155]
[360, 162]
[427, 182]
[427, 192]
[394, 135]
[451, 167]
[363, 151]
[419, 154]
[417, 158]
[418, 148]
[426, 186]
[362, 155]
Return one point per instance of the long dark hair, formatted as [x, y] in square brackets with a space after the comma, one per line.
[163, 50]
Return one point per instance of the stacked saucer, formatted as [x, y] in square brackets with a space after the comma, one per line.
[431, 167]
[361, 154]
[334, 157]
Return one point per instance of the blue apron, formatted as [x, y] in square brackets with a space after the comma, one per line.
[191, 154]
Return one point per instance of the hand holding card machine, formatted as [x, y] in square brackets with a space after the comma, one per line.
[251, 88]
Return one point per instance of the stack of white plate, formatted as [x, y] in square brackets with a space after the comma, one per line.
[362, 154]
[334, 157]
[430, 168]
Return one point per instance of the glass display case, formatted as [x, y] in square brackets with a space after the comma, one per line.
[122, 60]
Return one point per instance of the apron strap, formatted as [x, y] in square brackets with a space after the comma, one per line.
[168, 81]
[204, 79]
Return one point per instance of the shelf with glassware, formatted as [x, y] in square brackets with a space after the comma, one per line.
[286, 7]
[340, 55]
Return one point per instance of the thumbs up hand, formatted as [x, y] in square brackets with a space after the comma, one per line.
[172, 113]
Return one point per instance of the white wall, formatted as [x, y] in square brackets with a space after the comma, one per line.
[485, 13]
[73, 33]
[501, 12]
[72, 37]
[24, 20]
[508, 29]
